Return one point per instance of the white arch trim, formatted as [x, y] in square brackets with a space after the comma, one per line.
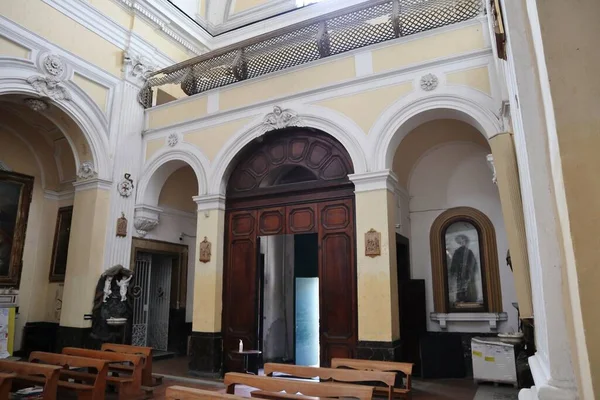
[81, 108]
[159, 168]
[343, 129]
[413, 110]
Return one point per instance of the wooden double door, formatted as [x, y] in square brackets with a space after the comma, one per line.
[333, 221]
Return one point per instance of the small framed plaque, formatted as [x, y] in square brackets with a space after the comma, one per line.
[373, 243]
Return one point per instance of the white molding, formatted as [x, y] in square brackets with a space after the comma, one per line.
[491, 318]
[174, 212]
[212, 102]
[59, 196]
[210, 202]
[377, 180]
[363, 63]
[95, 183]
[545, 388]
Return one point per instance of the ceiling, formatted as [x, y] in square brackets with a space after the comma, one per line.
[221, 16]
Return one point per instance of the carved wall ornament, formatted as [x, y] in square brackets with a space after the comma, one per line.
[49, 87]
[372, 243]
[490, 160]
[125, 187]
[4, 167]
[173, 139]
[36, 105]
[280, 118]
[138, 65]
[53, 65]
[86, 170]
[205, 248]
[429, 82]
[122, 226]
[144, 225]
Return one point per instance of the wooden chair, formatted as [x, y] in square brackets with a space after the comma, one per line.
[6, 384]
[146, 352]
[291, 386]
[128, 386]
[405, 370]
[333, 374]
[185, 393]
[24, 370]
[93, 389]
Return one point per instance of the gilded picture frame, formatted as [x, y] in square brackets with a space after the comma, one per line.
[15, 198]
[60, 248]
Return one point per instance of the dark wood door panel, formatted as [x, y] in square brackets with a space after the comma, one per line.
[337, 350]
[302, 218]
[271, 221]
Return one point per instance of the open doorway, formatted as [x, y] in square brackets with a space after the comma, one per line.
[289, 299]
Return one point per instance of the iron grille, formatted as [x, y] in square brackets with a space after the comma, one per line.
[333, 34]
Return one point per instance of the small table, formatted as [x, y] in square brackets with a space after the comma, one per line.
[246, 354]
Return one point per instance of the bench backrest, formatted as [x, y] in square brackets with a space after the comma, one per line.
[145, 352]
[186, 393]
[370, 365]
[325, 374]
[104, 355]
[323, 389]
[49, 372]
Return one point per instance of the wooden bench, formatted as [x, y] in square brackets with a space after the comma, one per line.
[93, 389]
[262, 394]
[6, 379]
[24, 371]
[148, 379]
[405, 370]
[185, 393]
[291, 386]
[128, 386]
[334, 374]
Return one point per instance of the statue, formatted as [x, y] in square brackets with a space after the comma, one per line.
[112, 300]
[205, 250]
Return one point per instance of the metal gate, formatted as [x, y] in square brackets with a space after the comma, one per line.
[152, 295]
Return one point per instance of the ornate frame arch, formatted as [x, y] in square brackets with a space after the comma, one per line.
[489, 257]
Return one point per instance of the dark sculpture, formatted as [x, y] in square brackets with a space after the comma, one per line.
[111, 301]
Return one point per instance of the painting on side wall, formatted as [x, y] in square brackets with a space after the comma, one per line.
[58, 268]
[15, 197]
[463, 266]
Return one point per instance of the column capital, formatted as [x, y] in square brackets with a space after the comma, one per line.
[95, 183]
[210, 202]
[146, 218]
[375, 180]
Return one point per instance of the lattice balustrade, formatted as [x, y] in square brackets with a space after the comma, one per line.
[333, 34]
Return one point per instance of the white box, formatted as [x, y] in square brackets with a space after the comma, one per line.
[493, 360]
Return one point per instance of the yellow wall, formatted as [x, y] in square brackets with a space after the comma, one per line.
[477, 78]
[429, 48]
[243, 5]
[12, 49]
[113, 11]
[377, 283]
[168, 46]
[427, 136]
[97, 92]
[365, 107]
[208, 277]
[178, 190]
[152, 146]
[211, 140]
[178, 112]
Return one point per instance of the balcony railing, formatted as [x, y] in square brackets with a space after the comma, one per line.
[311, 40]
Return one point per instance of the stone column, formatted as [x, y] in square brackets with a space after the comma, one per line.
[506, 175]
[378, 314]
[127, 124]
[207, 340]
[85, 262]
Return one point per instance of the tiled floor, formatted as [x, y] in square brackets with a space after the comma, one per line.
[439, 389]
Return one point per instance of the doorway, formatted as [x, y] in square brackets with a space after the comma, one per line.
[289, 299]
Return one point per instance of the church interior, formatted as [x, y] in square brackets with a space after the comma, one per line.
[299, 199]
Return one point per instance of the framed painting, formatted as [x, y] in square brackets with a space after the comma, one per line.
[60, 249]
[15, 198]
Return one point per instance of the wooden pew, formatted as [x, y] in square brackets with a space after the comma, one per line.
[334, 374]
[291, 386]
[92, 390]
[128, 386]
[6, 379]
[146, 352]
[185, 393]
[24, 370]
[262, 394]
[388, 366]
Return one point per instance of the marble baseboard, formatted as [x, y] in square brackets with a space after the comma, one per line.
[67, 336]
[206, 354]
[379, 351]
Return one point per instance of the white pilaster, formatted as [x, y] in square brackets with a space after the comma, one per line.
[126, 126]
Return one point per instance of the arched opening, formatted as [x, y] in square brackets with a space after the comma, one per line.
[41, 149]
[163, 257]
[290, 250]
[441, 163]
